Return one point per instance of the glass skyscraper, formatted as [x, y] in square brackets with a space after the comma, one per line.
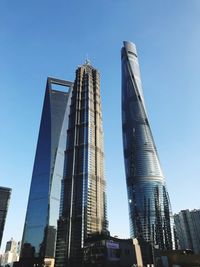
[4, 201]
[83, 203]
[38, 243]
[149, 206]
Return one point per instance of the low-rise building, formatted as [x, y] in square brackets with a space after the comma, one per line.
[177, 258]
[107, 251]
[11, 253]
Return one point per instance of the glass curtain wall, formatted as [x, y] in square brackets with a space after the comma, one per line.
[149, 206]
[42, 214]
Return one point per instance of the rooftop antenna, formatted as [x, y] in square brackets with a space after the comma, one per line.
[87, 61]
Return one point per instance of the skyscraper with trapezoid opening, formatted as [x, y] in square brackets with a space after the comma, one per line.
[39, 237]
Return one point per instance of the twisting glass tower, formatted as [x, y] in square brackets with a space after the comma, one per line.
[149, 205]
[83, 204]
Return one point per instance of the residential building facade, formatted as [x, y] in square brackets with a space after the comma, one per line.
[188, 229]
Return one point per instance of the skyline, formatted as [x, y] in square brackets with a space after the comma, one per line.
[172, 81]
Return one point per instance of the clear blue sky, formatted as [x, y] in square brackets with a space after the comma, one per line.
[51, 38]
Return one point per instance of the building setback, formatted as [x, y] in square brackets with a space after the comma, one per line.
[83, 203]
[188, 229]
[4, 202]
[38, 243]
[149, 206]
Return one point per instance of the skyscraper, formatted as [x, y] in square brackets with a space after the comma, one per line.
[188, 229]
[83, 205]
[149, 206]
[4, 201]
[39, 235]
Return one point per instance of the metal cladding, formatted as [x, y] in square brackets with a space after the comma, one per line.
[83, 204]
[149, 206]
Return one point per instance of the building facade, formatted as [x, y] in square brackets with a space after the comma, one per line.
[188, 229]
[4, 202]
[149, 206]
[83, 201]
[11, 253]
[39, 235]
[11, 246]
[108, 251]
